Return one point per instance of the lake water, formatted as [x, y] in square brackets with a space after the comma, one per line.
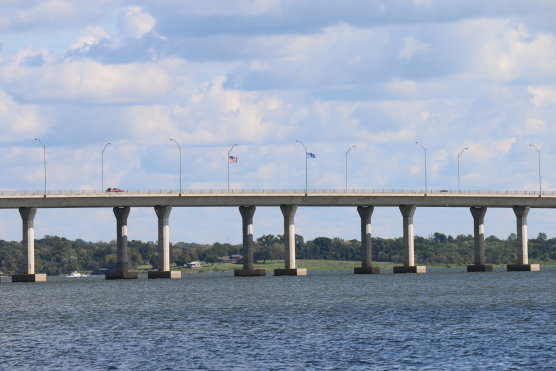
[445, 319]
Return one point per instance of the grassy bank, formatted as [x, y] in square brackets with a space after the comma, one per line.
[310, 264]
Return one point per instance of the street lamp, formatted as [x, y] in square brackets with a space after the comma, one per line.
[102, 165]
[179, 148]
[349, 149]
[230, 151]
[44, 160]
[424, 149]
[539, 153]
[305, 148]
[459, 155]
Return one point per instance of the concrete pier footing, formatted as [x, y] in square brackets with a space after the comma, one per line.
[164, 274]
[247, 213]
[479, 268]
[365, 213]
[121, 275]
[290, 272]
[411, 269]
[367, 270]
[250, 272]
[523, 267]
[36, 277]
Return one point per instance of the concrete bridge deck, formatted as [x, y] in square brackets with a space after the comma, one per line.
[331, 197]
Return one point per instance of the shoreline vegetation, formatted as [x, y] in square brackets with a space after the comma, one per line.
[59, 256]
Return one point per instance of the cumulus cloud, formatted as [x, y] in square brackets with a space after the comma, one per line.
[213, 114]
[543, 95]
[92, 35]
[514, 53]
[19, 120]
[135, 22]
[87, 81]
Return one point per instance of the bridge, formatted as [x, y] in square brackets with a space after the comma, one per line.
[288, 201]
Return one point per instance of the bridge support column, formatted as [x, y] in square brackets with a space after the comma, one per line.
[247, 213]
[479, 234]
[523, 251]
[28, 275]
[408, 243]
[163, 214]
[289, 240]
[365, 212]
[122, 269]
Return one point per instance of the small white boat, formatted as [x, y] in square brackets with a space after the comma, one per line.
[77, 274]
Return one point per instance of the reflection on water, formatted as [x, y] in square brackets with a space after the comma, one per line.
[445, 319]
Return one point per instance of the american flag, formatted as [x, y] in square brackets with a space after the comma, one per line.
[232, 159]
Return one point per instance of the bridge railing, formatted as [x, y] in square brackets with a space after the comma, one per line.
[254, 191]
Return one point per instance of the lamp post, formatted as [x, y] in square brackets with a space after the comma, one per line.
[459, 155]
[230, 151]
[179, 148]
[44, 160]
[102, 166]
[539, 153]
[424, 149]
[347, 152]
[305, 148]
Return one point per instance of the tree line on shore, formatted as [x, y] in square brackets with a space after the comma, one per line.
[57, 255]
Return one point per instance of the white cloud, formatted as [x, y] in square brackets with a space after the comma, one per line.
[513, 53]
[87, 81]
[533, 126]
[214, 113]
[489, 149]
[92, 35]
[18, 120]
[543, 95]
[135, 22]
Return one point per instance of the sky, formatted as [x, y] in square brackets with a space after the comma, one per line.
[377, 75]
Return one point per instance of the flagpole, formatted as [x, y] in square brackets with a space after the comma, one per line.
[305, 148]
[228, 158]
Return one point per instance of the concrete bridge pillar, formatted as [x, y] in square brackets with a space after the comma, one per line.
[247, 213]
[479, 233]
[122, 268]
[365, 212]
[28, 275]
[288, 211]
[408, 242]
[522, 252]
[163, 214]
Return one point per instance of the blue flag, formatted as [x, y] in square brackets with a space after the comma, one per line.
[310, 155]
